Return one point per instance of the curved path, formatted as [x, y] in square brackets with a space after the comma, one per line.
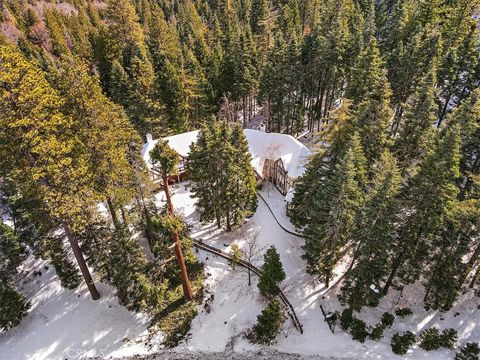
[278, 222]
[288, 306]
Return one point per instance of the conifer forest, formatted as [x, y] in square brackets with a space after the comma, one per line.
[242, 179]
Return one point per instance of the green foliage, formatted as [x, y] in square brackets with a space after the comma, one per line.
[222, 177]
[13, 306]
[128, 274]
[336, 204]
[358, 330]
[346, 318]
[272, 273]
[237, 255]
[376, 333]
[164, 158]
[66, 271]
[375, 235]
[401, 343]
[387, 319]
[403, 312]
[269, 323]
[468, 352]
[432, 339]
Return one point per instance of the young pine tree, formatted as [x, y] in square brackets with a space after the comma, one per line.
[269, 323]
[272, 273]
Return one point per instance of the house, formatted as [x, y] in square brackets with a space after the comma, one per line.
[277, 158]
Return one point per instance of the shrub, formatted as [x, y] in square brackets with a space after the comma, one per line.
[268, 323]
[346, 319]
[387, 319]
[468, 352]
[403, 312]
[358, 330]
[401, 343]
[449, 338]
[377, 332]
[430, 339]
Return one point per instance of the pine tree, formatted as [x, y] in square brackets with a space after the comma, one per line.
[467, 116]
[40, 152]
[128, 274]
[428, 197]
[222, 154]
[375, 236]
[272, 273]
[415, 133]
[323, 163]
[333, 216]
[104, 129]
[446, 268]
[165, 160]
[13, 305]
[242, 178]
[269, 323]
[373, 115]
[468, 352]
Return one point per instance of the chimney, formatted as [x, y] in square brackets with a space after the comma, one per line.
[149, 138]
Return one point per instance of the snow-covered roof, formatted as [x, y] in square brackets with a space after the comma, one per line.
[276, 146]
[180, 143]
[262, 146]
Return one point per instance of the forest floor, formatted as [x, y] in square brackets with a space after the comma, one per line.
[65, 324]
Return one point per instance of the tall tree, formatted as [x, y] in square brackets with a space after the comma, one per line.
[333, 215]
[429, 197]
[40, 151]
[165, 159]
[375, 237]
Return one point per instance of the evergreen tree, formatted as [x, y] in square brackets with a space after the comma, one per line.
[467, 117]
[428, 197]
[322, 165]
[13, 306]
[375, 237]
[222, 154]
[165, 159]
[39, 151]
[269, 323]
[468, 352]
[415, 133]
[333, 215]
[104, 130]
[272, 273]
[373, 115]
[128, 274]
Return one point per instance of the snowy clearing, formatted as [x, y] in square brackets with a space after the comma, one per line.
[65, 324]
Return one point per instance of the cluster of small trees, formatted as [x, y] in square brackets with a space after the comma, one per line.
[222, 177]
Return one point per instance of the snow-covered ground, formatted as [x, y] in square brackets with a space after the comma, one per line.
[65, 324]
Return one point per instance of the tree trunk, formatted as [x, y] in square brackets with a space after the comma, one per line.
[187, 289]
[81, 262]
[474, 279]
[396, 265]
[113, 213]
